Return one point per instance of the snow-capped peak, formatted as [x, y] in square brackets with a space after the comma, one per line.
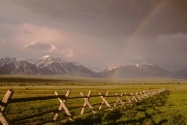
[46, 56]
[142, 64]
[109, 68]
[47, 60]
[146, 63]
[137, 65]
[76, 63]
[7, 60]
[52, 59]
[112, 67]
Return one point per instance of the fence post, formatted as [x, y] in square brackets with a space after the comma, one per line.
[149, 93]
[145, 94]
[86, 103]
[133, 97]
[105, 101]
[138, 96]
[142, 95]
[84, 106]
[119, 99]
[3, 119]
[62, 105]
[100, 107]
[4, 103]
[157, 91]
[128, 99]
[152, 92]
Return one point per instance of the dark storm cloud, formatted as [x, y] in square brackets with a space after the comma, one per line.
[114, 18]
[171, 18]
[167, 51]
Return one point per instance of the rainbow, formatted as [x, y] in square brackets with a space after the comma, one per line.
[155, 8]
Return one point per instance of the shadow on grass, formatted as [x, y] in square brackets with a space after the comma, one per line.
[144, 112]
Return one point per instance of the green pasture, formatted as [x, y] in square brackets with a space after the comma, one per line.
[167, 109]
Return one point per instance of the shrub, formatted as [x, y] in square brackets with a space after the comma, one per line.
[111, 116]
[176, 118]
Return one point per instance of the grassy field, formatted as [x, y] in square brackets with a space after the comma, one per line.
[167, 108]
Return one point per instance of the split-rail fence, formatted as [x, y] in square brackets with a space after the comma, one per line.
[122, 99]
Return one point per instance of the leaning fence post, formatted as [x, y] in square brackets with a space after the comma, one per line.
[84, 106]
[86, 103]
[105, 101]
[149, 93]
[127, 98]
[152, 92]
[119, 100]
[145, 94]
[100, 107]
[62, 105]
[4, 103]
[3, 119]
[138, 96]
[156, 91]
[133, 97]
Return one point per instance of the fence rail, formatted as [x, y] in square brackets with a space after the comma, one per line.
[128, 99]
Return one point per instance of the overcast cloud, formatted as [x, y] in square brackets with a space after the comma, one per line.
[96, 33]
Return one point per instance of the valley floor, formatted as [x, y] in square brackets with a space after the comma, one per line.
[170, 108]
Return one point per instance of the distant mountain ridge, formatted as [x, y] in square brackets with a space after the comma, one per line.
[46, 65]
[137, 70]
[181, 73]
[49, 65]
[7, 65]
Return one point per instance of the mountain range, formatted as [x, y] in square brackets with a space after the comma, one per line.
[49, 65]
[46, 65]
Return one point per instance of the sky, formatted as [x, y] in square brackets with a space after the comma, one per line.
[96, 33]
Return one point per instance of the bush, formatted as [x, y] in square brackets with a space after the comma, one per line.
[176, 118]
[111, 116]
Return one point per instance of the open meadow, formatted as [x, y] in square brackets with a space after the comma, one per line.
[169, 107]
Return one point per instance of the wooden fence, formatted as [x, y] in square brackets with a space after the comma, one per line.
[122, 99]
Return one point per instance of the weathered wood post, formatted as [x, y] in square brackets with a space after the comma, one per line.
[133, 97]
[149, 93]
[142, 95]
[105, 101]
[119, 99]
[100, 107]
[84, 105]
[86, 99]
[4, 103]
[152, 92]
[128, 99]
[138, 96]
[157, 91]
[145, 94]
[62, 105]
